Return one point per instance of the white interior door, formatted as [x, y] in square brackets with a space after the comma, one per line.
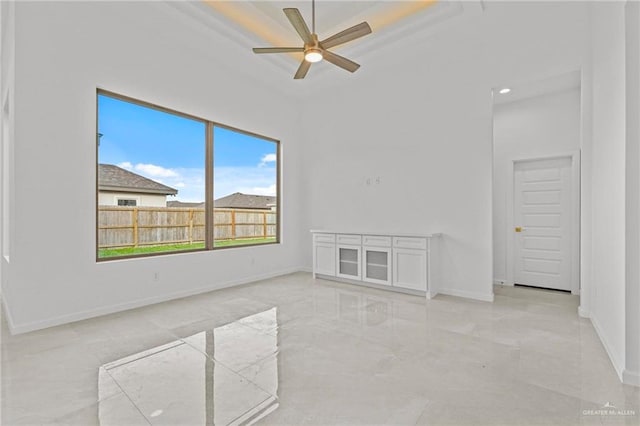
[543, 223]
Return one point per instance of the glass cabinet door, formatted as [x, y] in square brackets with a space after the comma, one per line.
[377, 265]
[349, 262]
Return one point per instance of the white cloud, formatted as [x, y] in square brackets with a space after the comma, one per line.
[268, 158]
[188, 181]
[125, 165]
[153, 171]
[190, 184]
[261, 190]
[247, 180]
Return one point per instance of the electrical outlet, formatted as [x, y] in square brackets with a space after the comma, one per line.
[156, 276]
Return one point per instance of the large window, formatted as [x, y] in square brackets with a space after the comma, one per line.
[245, 188]
[171, 182]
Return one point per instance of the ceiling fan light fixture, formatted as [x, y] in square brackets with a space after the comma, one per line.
[315, 50]
[313, 55]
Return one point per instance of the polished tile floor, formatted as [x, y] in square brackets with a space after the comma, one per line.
[295, 351]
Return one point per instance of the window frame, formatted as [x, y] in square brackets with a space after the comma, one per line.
[209, 243]
[136, 200]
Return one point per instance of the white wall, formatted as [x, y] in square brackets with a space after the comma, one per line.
[64, 50]
[614, 304]
[542, 126]
[7, 72]
[607, 308]
[631, 374]
[3, 137]
[148, 200]
[419, 116]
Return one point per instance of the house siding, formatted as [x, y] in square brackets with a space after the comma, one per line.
[147, 200]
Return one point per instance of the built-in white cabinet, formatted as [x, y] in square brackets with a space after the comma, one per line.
[407, 263]
[409, 271]
[324, 254]
[410, 258]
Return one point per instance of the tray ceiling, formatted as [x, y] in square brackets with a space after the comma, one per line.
[263, 24]
[266, 20]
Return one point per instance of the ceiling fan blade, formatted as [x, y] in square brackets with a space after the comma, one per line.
[302, 70]
[298, 23]
[277, 49]
[340, 61]
[349, 34]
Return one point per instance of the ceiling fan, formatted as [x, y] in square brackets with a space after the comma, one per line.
[315, 50]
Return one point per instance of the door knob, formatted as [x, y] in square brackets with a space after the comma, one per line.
[519, 228]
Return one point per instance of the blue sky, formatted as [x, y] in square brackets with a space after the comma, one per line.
[171, 150]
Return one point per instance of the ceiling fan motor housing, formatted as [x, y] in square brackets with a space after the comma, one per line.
[313, 52]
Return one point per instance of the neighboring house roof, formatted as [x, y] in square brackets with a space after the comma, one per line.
[184, 204]
[245, 201]
[233, 201]
[114, 178]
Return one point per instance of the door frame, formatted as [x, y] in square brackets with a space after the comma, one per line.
[574, 156]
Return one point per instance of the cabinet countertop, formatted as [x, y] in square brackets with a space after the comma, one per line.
[381, 234]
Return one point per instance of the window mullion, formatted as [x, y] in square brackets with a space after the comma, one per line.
[208, 202]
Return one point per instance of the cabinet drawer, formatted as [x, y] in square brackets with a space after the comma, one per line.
[324, 238]
[410, 242]
[354, 240]
[376, 241]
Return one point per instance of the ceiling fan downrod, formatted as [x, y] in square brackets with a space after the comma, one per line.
[313, 16]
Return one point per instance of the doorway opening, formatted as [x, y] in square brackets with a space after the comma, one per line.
[536, 184]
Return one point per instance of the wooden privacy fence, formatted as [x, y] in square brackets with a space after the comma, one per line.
[143, 226]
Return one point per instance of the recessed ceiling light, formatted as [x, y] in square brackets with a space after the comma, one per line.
[504, 91]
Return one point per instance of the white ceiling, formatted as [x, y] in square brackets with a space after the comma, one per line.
[263, 24]
[395, 23]
[266, 19]
[542, 86]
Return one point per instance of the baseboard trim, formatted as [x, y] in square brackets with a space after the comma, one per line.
[111, 309]
[7, 314]
[583, 313]
[484, 297]
[361, 283]
[617, 365]
[631, 378]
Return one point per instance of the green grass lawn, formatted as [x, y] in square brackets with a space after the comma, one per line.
[229, 243]
[132, 251]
